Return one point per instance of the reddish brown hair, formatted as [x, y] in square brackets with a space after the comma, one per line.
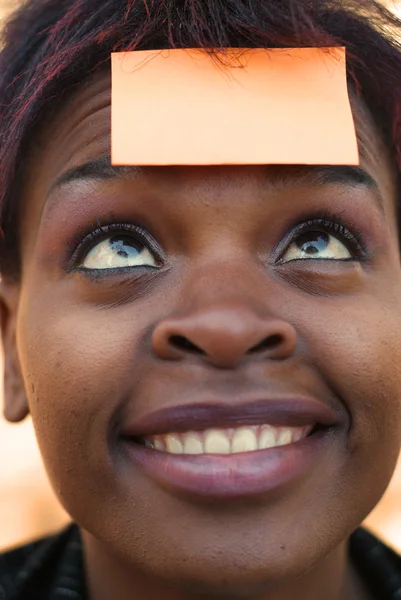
[50, 46]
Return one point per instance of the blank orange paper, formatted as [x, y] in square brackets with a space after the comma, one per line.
[281, 106]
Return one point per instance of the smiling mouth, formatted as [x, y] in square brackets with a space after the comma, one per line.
[234, 440]
[227, 429]
[225, 451]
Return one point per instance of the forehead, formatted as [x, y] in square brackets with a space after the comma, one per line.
[80, 132]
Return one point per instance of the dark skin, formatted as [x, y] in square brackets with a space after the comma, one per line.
[84, 353]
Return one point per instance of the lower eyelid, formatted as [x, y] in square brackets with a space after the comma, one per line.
[132, 273]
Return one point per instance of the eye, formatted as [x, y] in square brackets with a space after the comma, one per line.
[119, 251]
[323, 239]
[316, 245]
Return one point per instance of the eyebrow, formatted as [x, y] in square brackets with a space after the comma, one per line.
[98, 169]
[348, 176]
[101, 169]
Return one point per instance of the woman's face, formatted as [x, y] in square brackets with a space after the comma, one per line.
[169, 300]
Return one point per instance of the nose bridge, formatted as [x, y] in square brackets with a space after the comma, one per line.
[223, 316]
[227, 284]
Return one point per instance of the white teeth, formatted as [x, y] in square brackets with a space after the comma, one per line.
[159, 444]
[285, 437]
[193, 443]
[267, 437]
[173, 444]
[228, 441]
[301, 434]
[217, 442]
[244, 440]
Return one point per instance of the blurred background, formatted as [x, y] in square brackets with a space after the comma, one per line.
[28, 508]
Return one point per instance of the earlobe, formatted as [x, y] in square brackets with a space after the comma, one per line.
[15, 401]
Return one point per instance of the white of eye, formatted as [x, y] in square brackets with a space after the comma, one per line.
[118, 251]
[316, 245]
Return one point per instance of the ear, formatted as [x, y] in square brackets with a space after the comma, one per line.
[15, 401]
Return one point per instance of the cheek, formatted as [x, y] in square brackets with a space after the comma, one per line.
[359, 355]
[77, 365]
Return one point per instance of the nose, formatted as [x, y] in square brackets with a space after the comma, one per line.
[224, 337]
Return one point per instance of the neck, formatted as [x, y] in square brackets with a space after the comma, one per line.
[109, 577]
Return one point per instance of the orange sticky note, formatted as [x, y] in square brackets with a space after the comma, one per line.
[275, 106]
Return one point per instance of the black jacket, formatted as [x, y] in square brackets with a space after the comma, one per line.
[52, 568]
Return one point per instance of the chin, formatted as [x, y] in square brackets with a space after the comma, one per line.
[234, 575]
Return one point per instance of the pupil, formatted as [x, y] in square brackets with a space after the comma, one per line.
[313, 242]
[125, 246]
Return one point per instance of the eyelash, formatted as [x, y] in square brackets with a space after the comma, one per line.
[328, 223]
[92, 237]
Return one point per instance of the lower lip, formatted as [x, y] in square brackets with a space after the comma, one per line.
[231, 476]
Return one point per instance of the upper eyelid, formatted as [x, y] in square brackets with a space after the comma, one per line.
[327, 223]
[110, 229]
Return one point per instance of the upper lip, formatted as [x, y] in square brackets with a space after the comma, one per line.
[289, 411]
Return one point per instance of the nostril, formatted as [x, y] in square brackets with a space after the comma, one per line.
[182, 343]
[267, 344]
